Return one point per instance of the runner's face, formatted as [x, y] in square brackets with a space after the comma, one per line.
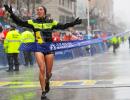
[40, 12]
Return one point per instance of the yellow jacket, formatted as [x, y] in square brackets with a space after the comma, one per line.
[114, 40]
[12, 42]
[27, 37]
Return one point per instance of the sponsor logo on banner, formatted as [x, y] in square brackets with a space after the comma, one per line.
[52, 47]
[60, 46]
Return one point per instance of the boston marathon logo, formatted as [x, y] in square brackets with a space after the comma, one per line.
[61, 46]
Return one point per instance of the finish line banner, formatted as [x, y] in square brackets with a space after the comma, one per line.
[63, 45]
[57, 46]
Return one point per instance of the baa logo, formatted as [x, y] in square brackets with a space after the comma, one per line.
[52, 47]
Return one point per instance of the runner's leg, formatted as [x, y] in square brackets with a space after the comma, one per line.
[40, 60]
[49, 64]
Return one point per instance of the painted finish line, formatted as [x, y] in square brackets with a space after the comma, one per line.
[69, 83]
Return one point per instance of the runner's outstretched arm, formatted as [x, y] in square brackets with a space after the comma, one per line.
[67, 25]
[16, 19]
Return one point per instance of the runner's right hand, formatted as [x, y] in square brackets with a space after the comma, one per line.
[7, 8]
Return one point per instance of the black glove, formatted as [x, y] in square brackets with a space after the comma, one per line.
[7, 8]
[77, 21]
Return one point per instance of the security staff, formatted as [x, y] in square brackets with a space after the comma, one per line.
[11, 45]
[114, 42]
[119, 41]
[42, 27]
[28, 37]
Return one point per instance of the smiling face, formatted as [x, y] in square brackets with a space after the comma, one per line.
[41, 12]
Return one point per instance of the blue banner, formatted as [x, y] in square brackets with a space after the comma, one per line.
[63, 45]
[57, 46]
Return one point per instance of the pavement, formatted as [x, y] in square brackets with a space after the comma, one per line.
[103, 76]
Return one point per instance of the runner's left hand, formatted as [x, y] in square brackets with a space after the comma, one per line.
[77, 21]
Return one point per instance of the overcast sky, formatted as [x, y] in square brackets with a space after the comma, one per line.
[122, 10]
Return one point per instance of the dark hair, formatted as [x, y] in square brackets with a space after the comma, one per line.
[45, 10]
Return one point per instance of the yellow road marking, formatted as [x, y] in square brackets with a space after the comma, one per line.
[57, 83]
[52, 83]
[4, 83]
[89, 82]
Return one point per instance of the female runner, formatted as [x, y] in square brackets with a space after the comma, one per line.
[42, 27]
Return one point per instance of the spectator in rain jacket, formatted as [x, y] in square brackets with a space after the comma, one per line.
[11, 45]
[114, 42]
[28, 37]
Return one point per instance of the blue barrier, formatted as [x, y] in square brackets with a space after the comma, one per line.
[66, 54]
[60, 55]
[97, 46]
[3, 59]
[82, 51]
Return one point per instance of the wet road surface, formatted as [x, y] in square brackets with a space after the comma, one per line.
[100, 77]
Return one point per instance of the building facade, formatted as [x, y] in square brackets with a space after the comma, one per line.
[101, 12]
[61, 10]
